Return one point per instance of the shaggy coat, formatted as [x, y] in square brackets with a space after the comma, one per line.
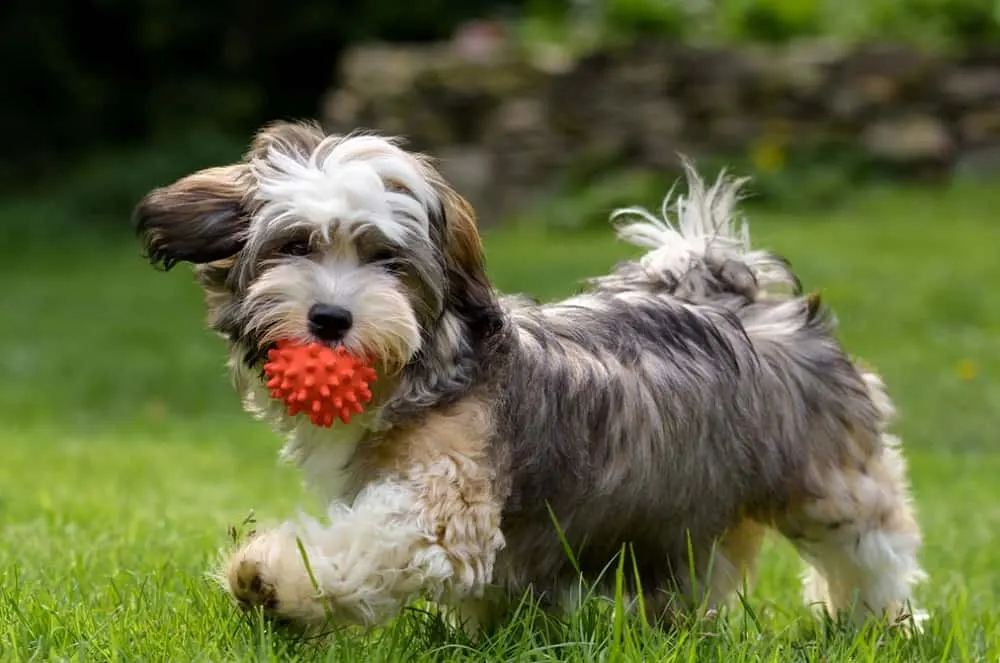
[678, 407]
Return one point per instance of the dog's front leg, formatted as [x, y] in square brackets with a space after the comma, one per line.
[360, 567]
[429, 529]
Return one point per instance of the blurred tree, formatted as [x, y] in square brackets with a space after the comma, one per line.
[84, 74]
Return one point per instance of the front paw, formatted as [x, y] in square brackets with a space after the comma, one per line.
[248, 586]
[268, 573]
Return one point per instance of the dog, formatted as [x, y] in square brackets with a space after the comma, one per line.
[675, 410]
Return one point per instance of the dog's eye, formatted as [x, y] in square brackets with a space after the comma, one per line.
[297, 247]
[387, 260]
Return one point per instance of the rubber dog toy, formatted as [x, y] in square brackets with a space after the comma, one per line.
[323, 382]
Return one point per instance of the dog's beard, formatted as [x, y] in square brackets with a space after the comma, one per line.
[385, 326]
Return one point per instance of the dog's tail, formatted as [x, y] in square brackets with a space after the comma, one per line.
[699, 247]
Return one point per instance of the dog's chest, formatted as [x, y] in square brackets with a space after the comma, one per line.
[323, 454]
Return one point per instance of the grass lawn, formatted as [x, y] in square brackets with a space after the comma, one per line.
[124, 457]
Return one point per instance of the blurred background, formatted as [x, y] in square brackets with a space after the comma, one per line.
[871, 129]
[546, 114]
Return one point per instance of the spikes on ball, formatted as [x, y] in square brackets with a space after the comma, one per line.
[324, 383]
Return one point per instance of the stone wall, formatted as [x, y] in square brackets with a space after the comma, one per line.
[506, 127]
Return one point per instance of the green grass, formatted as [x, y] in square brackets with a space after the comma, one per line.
[125, 458]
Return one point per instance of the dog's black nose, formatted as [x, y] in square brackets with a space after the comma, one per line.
[329, 323]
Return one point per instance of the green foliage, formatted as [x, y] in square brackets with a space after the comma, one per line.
[86, 74]
[770, 21]
[932, 23]
[942, 24]
[958, 21]
[232, 66]
[589, 204]
[644, 18]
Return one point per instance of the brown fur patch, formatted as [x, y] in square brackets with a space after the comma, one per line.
[444, 459]
[290, 137]
[813, 305]
[462, 242]
[868, 491]
[458, 433]
[463, 250]
[199, 218]
[736, 566]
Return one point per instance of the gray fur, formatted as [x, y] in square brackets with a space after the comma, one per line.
[671, 400]
[659, 406]
[642, 419]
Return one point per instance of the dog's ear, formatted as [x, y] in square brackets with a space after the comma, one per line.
[470, 292]
[462, 244]
[201, 218]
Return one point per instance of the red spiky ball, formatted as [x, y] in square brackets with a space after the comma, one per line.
[323, 382]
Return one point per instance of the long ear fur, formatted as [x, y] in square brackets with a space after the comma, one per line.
[470, 297]
[200, 218]
[470, 293]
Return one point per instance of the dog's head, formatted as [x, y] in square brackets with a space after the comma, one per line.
[345, 240]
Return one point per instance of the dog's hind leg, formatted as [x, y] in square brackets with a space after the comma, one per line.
[727, 568]
[860, 536]
[734, 567]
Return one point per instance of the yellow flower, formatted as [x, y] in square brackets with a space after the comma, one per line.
[768, 156]
[966, 370]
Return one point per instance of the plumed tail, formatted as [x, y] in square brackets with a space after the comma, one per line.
[699, 246]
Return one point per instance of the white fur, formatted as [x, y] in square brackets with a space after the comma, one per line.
[384, 322]
[322, 454]
[705, 229]
[775, 324]
[373, 557]
[342, 186]
[379, 548]
[367, 561]
[871, 564]
[859, 572]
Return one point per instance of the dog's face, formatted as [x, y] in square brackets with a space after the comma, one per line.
[344, 240]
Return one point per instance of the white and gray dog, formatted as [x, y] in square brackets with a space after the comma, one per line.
[679, 408]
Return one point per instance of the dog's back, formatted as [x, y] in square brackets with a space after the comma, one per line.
[683, 396]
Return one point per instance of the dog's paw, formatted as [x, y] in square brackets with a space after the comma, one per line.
[248, 586]
[268, 573]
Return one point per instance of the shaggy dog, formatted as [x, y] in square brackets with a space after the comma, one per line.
[679, 407]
